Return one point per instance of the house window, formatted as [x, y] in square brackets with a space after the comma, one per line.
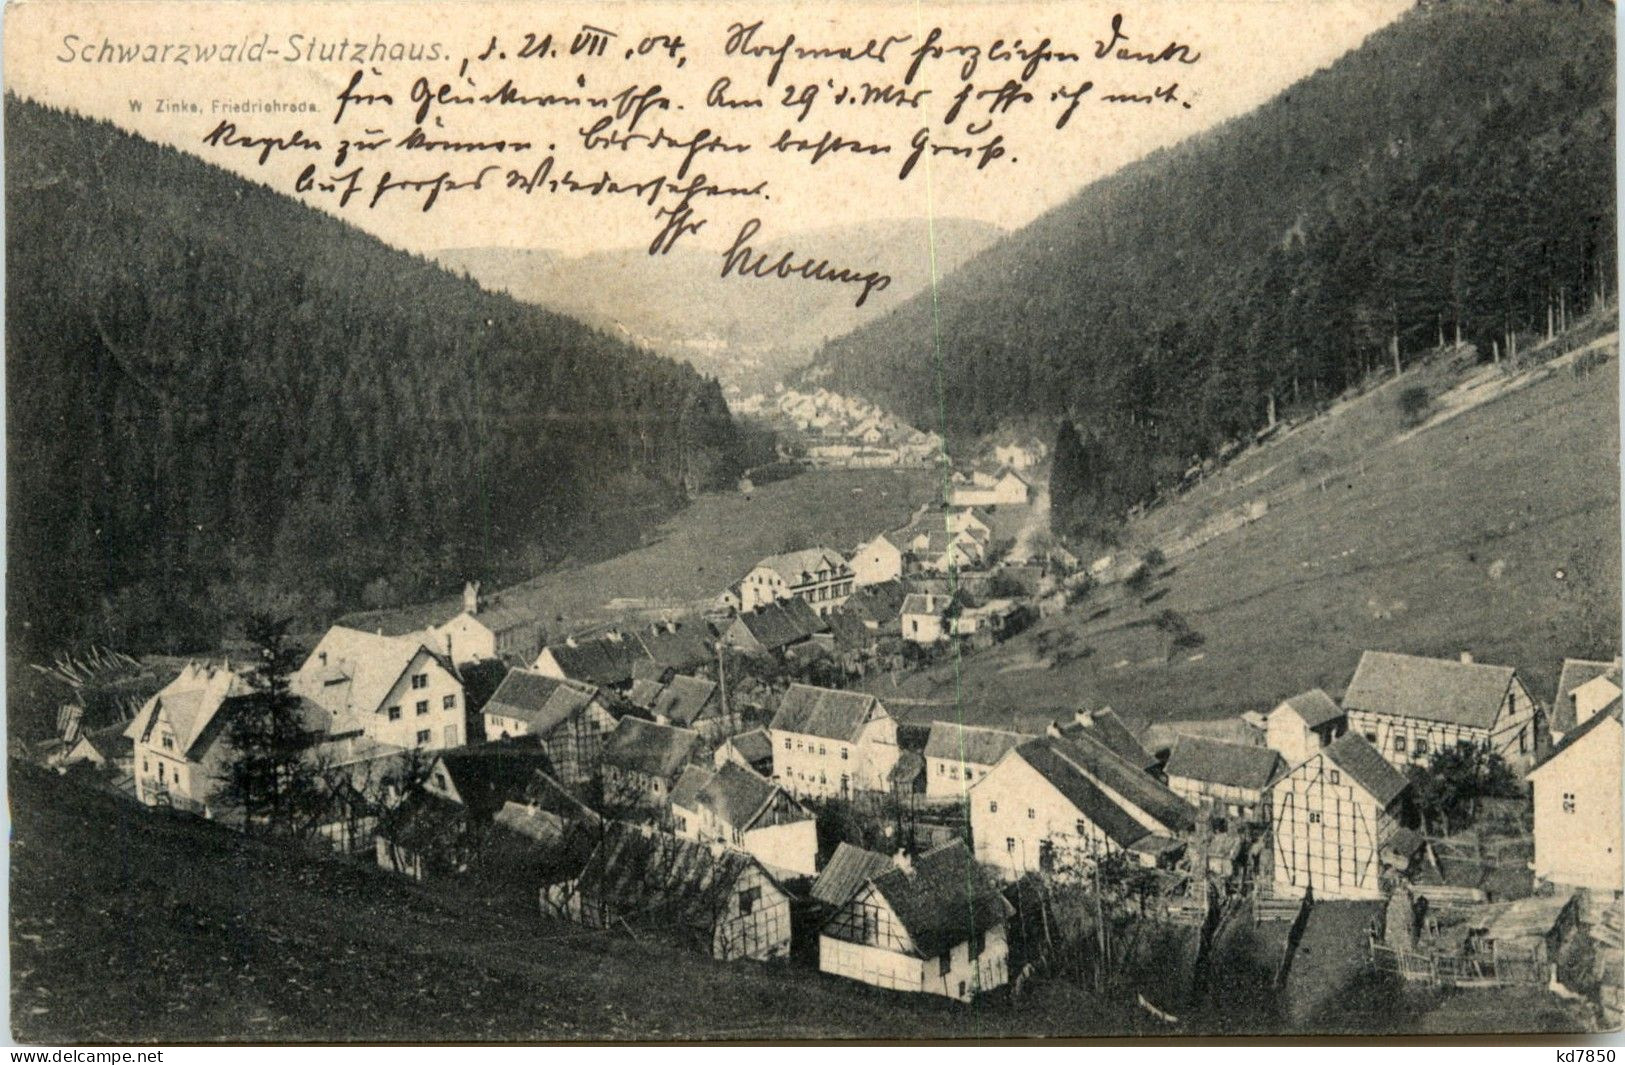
[1010, 844]
[448, 703]
[1083, 828]
[821, 750]
[1371, 737]
[423, 737]
[1523, 741]
[1314, 817]
[843, 754]
[945, 964]
[993, 806]
[1568, 802]
[394, 713]
[419, 681]
[1420, 746]
[942, 767]
[169, 743]
[1399, 743]
[749, 898]
[1336, 777]
[1031, 813]
[423, 706]
[440, 780]
[787, 743]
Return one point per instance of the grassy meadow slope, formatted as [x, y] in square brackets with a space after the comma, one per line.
[708, 546]
[1434, 542]
[131, 927]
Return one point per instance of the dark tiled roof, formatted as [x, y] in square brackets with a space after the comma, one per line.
[681, 647]
[1429, 689]
[481, 680]
[1105, 726]
[639, 746]
[944, 901]
[686, 792]
[423, 822]
[754, 746]
[486, 775]
[847, 871]
[1162, 735]
[851, 634]
[1586, 727]
[1211, 762]
[1045, 755]
[500, 619]
[835, 715]
[1354, 755]
[1130, 781]
[686, 699]
[1315, 707]
[606, 662]
[877, 603]
[543, 703]
[735, 795]
[970, 743]
[779, 624]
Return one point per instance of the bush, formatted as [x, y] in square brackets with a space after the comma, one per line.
[1154, 558]
[1414, 402]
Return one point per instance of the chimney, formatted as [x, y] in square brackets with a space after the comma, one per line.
[1086, 718]
[1053, 730]
[569, 641]
[904, 862]
[471, 597]
[1467, 658]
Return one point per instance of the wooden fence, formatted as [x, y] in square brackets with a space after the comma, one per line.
[1491, 970]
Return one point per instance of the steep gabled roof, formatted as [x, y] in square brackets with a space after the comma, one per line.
[944, 900]
[661, 879]
[835, 715]
[734, 795]
[1315, 707]
[686, 699]
[639, 746]
[1576, 671]
[189, 702]
[543, 703]
[1354, 754]
[1110, 770]
[1586, 728]
[679, 647]
[849, 868]
[1230, 764]
[1429, 689]
[1162, 735]
[359, 671]
[876, 603]
[753, 746]
[972, 744]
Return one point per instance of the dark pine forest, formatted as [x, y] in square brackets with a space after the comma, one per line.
[1453, 177]
[219, 400]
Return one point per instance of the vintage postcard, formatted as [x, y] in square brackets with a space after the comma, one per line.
[691, 521]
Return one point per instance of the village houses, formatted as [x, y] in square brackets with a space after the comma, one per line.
[1057, 801]
[956, 756]
[740, 808]
[694, 703]
[569, 719]
[641, 762]
[925, 618]
[1409, 707]
[1006, 488]
[829, 743]
[606, 661]
[483, 631]
[934, 925]
[391, 688]
[1577, 807]
[877, 561]
[774, 628]
[753, 750]
[817, 576]
[1333, 815]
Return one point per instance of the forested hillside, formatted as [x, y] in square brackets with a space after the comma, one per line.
[219, 399]
[1455, 172]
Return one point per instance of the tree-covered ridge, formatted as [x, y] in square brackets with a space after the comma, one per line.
[1456, 170]
[219, 399]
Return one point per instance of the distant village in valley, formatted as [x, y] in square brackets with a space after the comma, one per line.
[735, 780]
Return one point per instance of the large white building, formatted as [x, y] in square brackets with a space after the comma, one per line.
[392, 689]
[957, 756]
[818, 576]
[1577, 808]
[829, 743]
